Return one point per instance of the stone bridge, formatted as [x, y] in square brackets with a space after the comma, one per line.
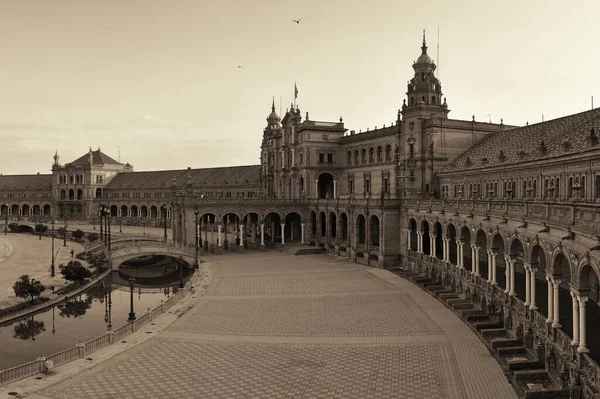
[132, 248]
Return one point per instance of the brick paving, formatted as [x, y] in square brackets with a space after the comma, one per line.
[352, 333]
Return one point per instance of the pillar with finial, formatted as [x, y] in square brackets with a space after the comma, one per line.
[56, 158]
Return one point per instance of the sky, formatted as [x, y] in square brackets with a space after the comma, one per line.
[157, 83]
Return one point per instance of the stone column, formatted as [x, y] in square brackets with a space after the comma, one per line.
[475, 250]
[272, 232]
[282, 233]
[432, 244]
[241, 229]
[575, 299]
[459, 253]
[494, 268]
[408, 239]
[489, 266]
[527, 286]
[219, 238]
[262, 236]
[532, 304]
[556, 322]
[316, 189]
[582, 333]
[507, 273]
[419, 242]
[550, 300]
[335, 189]
[302, 233]
[512, 275]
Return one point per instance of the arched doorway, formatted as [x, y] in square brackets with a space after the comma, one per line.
[313, 225]
[47, 210]
[273, 227]
[153, 212]
[332, 225]
[538, 262]
[25, 210]
[207, 225]
[516, 256]
[589, 285]
[374, 229]
[293, 227]
[439, 242]
[481, 248]
[124, 211]
[361, 229]
[230, 230]
[425, 241]
[323, 224]
[562, 270]
[134, 211]
[451, 236]
[414, 238]
[465, 236]
[113, 211]
[325, 186]
[144, 211]
[344, 226]
[499, 253]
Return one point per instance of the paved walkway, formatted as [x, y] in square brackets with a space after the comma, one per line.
[274, 325]
[26, 254]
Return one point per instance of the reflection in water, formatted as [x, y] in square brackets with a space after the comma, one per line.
[75, 308]
[86, 316]
[28, 329]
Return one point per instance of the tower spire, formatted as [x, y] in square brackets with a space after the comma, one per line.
[424, 47]
[273, 105]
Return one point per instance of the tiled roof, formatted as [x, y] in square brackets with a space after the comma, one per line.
[98, 157]
[558, 137]
[231, 175]
[25, 182]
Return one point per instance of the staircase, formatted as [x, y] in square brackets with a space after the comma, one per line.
[527, 373]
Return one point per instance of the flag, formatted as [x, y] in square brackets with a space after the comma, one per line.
[295, 91]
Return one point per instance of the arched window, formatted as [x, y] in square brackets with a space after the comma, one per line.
[363, 156]
[349, 160]
[388, 153]
[379, 154]
[63, 194]
[371, 155]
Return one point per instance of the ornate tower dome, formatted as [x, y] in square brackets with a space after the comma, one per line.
[273, 120]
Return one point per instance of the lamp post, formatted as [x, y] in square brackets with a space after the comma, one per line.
[101, 213]
[121, 224]
[164, 208]
[131, 312]
[109, 215]
[52, 266]
[65, 232]
[181, 285]
[6, 220]
[109, 326]
[196, 266]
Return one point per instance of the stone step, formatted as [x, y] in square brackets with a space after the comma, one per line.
[452, 302]
[536, 383]
[489, 333]
[420, 279]
[436, 288]
[512, 350]
[520, 365]
[491, 323]
[502, 342]
[445, 296]
[430, 283]
[467, 305]
[473, 317]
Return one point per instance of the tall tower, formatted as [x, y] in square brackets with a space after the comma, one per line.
[424, 101]
[270, 147]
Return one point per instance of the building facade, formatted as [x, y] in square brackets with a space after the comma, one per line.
[505, 217]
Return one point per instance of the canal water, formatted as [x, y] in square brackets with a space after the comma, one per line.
[87, 316]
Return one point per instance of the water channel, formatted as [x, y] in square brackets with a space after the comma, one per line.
[88, 315]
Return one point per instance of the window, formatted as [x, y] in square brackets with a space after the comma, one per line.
[356, 157]
[329, 158]
[349, 160]
[321, 157]
[363, 156]
[70, 179]
[368, 185]
[379, 154]
[371, 155]
[411, 150]
[433, 100]
[388, 153]
[350, 186]
[385, 185]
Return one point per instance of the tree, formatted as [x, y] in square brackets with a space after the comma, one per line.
[92, 237]
[97, 261]
[75, 308]
[77, 234]
[75, 271]
[26, 288]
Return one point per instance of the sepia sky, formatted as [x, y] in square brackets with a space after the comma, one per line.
[159, 79]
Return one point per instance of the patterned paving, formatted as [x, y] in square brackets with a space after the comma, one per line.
[310, 334]
[305, 283]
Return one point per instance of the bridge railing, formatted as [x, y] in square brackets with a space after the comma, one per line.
[42, 364]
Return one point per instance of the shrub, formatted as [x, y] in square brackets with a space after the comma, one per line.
[13, 226]
[75, 271]
[78, 234]
[41, 228]
[92, 237]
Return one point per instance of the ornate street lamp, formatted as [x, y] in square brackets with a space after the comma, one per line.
[131, 286]
[196, 266]
[109, 326]
[164, 208]
[181, 285]
[52, 266]
[65, 232]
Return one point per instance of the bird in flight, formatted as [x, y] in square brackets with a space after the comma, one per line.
[239, 66]
[296, 20]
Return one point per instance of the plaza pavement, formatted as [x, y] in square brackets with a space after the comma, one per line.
[26, 254]
[274, 325]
